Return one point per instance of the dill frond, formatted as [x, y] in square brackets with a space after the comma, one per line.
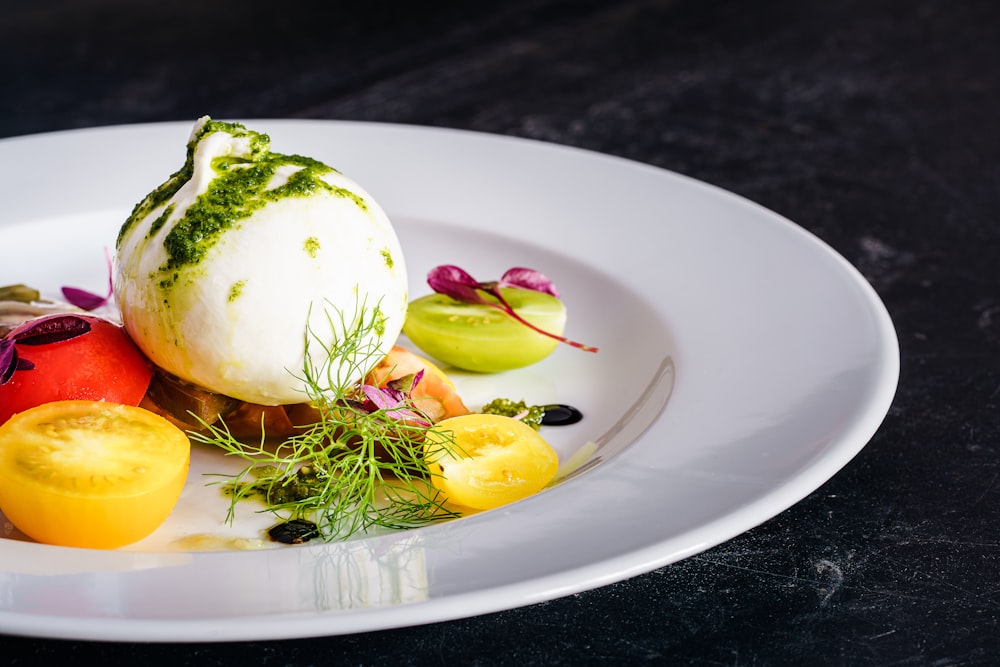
[353, 470]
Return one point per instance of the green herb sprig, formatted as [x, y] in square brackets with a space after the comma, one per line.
[355, 468]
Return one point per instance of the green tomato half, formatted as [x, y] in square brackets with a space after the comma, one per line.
[484, 339]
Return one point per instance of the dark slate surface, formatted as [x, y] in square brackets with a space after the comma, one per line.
[872, 123]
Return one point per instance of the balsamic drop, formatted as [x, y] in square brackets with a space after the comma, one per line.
[296, 531]
[560, 415]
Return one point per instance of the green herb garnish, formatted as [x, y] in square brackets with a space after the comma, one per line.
[531, 415]
[359, 466]
[21, 293]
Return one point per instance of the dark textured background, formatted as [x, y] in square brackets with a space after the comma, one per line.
[873, 123]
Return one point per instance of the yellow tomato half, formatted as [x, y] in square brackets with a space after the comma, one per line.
[90, 474]
[491, 461]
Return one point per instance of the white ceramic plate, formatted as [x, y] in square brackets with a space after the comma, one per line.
[742, 364]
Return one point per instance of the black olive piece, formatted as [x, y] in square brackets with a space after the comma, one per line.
[560, 415]
[296, 531]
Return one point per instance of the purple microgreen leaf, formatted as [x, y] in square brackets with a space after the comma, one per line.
[406, 383]
[88, 300]
[380, 398]
[392, 401]
[456, 283]
[84, 299]
[54, 329]
[528, 279]
[8, 360]
[506, 307]
[408, 415]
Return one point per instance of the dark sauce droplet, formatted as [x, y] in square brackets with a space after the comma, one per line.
[296, 531]
[560, 415]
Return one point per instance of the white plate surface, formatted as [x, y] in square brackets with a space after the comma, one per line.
[742, 364]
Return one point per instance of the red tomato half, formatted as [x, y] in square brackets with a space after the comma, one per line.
[101, 365]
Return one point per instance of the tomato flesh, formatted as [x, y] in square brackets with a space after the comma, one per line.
[492, 461]
[101, 365]
[481, 338]
[90, 474]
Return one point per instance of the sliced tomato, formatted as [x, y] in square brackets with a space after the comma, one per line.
[100, 365]
[485, 461]
[89, 473]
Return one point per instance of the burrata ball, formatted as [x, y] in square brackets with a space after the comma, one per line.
[247, 271]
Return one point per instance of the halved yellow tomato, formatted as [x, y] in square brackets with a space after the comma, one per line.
[485, 461]
[89, 473]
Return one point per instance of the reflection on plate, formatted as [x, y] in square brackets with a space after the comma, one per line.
[778, 361]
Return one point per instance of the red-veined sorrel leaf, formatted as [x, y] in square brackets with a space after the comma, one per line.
[528, 279]
[52, 329]
[8, 360]
[84, 299]
[88, 300]
[455, 282]
[393, 401]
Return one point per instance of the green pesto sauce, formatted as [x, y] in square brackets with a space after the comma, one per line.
[169, 188]
[237, 190]
[311, 246]
[506, 407]
[160, 221]
[273, 487]
[236, 291]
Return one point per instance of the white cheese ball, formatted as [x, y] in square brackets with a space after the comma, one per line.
[253, 272]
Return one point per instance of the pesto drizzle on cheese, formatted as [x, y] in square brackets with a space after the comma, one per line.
[239, 186]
